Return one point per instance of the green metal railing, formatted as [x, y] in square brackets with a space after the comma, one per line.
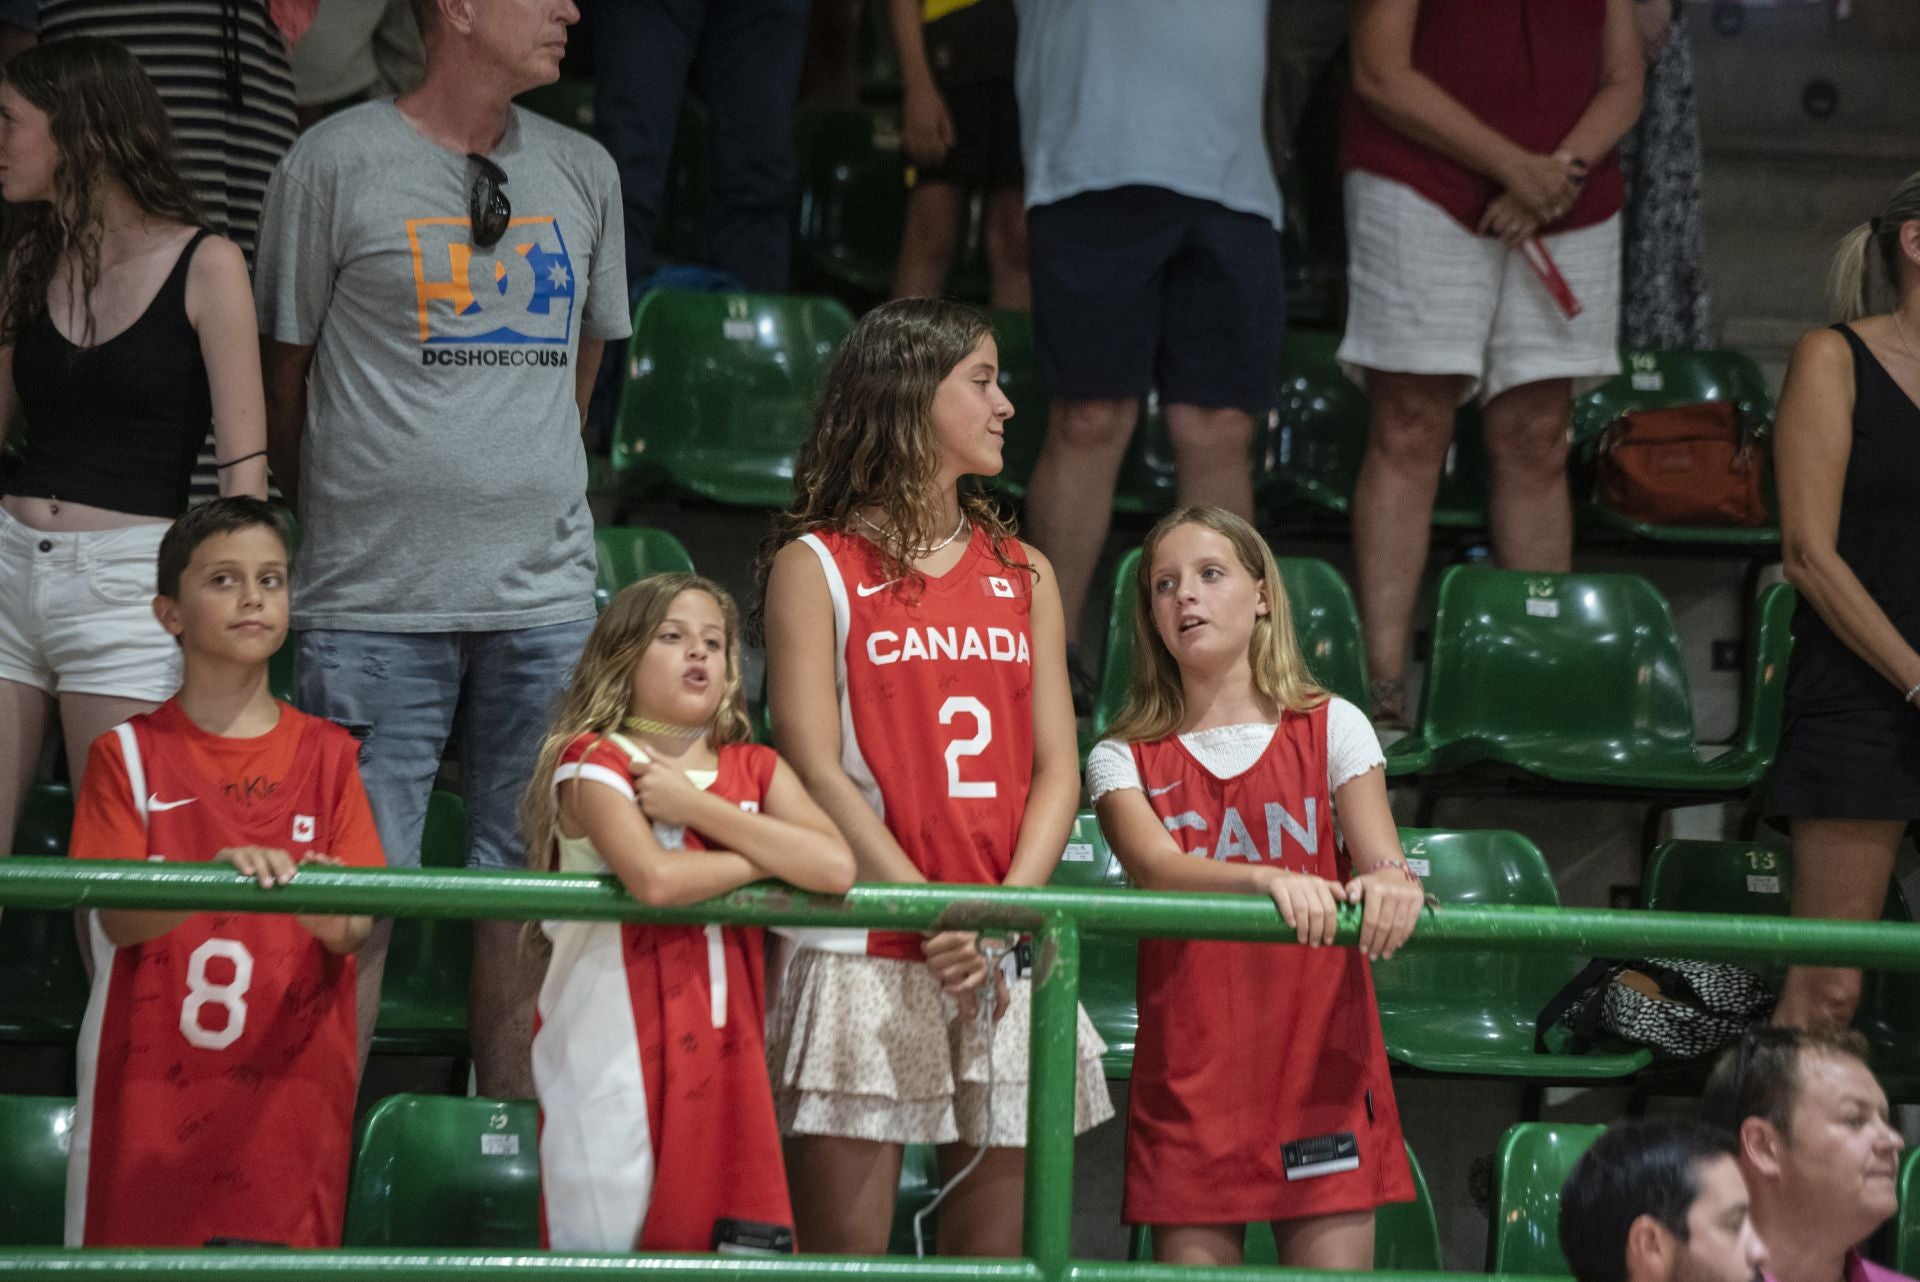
[1056, 919]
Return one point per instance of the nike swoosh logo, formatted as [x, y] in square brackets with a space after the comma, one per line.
[864, 590]
[154, 802]
[1161, 792]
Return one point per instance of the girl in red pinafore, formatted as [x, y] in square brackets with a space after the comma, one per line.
[1260, 1088]
[656, 1119]
[916, 666]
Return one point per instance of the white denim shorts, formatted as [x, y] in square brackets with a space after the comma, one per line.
[76, 613]
[1427, 296]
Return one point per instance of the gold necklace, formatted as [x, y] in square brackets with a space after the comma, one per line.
[917, 554]
[664, 729]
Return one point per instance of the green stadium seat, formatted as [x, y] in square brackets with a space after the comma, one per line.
[1108, 963]
[34, 1133]
[1757, 881]
[1578, 680]
[719, 392]
[1663, 380]
[1528, 1171]
[1325, 621]
[1406, 1235]
[1473, 1012]
[919, 1183]
[437, 1171]
[629, 553]
[43, 982]
[853, 200]
[1906, 1224]
[567, 101]
[423, 994]
[1323, 436]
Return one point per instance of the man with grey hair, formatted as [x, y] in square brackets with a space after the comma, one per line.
[437, 276]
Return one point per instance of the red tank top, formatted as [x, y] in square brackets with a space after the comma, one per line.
[1528, 68]
[218, 1063]
[656, 1111]
[936, 706]
[1246, 1048]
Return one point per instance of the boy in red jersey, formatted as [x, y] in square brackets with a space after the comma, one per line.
[218, 1059]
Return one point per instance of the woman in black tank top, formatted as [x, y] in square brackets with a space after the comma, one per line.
[125, 329]
[1847, 780]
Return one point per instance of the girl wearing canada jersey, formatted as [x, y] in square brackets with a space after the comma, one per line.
[917, 675]
[656, 1120]
[1260, 1087]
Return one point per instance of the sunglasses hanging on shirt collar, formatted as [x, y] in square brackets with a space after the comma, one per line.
[487, 207]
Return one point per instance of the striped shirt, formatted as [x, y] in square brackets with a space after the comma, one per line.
[220, 67]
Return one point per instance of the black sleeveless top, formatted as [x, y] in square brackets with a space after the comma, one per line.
[1879, 539]
[117, 425]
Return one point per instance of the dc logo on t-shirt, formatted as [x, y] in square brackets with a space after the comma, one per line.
[303, 827]
[1000, 586]
[520, 291]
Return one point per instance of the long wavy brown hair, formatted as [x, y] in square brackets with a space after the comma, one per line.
[872, 441]
[600, 694]
[108, 124]
[1156, 697]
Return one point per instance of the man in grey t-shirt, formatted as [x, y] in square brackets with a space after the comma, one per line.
[437, 277]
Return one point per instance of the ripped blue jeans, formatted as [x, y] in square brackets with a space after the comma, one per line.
[403, 694]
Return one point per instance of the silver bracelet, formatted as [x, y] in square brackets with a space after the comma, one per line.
[1913, 690]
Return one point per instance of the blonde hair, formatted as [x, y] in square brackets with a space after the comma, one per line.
[1849, 283]
[872, 441]
[600, 693]
[1156, 700]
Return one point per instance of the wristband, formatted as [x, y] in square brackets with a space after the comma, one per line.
[1912, 690]
[1401, 864]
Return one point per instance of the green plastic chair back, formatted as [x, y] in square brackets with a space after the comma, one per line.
[1906, 1224]
[1580, 678]
[43, 983]
[436, 1171]
[629, 553]
[853, 199]
[1326, 622]
[1529, 1169]
[1720, 877]
[34, 1135]
[1322, 438]
[423, 995]
[719, 392]
[567, 101]
[1406, 1235]
[1474, 1012]
[1109, 964]
[919, 1183]
[1665, 379]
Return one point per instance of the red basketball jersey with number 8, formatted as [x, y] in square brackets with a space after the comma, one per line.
[936, 706]
[218, 1062]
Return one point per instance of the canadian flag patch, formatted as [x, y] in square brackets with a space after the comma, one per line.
[999, 585]
[303, 827]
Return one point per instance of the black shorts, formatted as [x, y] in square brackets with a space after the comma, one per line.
[1139, 287]
[986, 138]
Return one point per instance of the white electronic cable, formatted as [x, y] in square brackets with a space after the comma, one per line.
[993, 948]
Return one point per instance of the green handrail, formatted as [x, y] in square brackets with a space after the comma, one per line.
[1055, 918]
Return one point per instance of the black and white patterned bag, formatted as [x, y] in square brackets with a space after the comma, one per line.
[1680, 1009]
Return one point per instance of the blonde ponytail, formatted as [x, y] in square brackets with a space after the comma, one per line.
[1849, 279]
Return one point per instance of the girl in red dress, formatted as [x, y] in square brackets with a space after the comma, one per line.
[916, 665]
[656, 1118]
[1260, 1087]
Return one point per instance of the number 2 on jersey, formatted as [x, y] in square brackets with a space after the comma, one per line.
[230, 996]
[968, 706]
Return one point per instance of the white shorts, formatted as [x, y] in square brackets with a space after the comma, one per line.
[76, 613]
[1427, 296]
